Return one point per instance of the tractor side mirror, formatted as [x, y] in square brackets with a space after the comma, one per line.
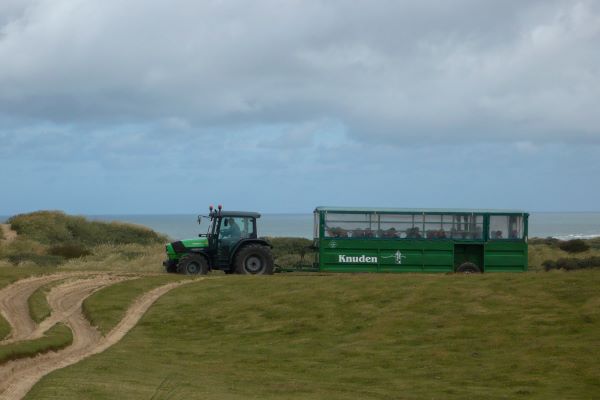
[199, 219]
[226, 222]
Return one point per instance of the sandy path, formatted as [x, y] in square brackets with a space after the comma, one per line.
[67, 298]
[14, 307]
[18, 377]
[8, 233]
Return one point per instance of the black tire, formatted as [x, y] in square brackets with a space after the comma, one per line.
[254, 259]
[171, 269]
[192, 264]
[468, 268]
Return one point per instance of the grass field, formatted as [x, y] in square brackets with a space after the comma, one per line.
[495, 336]
[105, 308]
[57, 337]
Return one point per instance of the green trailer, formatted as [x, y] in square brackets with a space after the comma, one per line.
[420, 240]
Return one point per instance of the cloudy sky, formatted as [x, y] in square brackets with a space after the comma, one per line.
[279, 106]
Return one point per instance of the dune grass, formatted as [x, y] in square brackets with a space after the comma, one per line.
[493, 336]
[57, 337]
[56, 227]
[105, 308]
[10, 274]
[538, 253]
[120, 258]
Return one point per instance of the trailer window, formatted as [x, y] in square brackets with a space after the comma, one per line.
[455, 226]
[506, 227]
[350, 225]
[401, 226]
[466, 226]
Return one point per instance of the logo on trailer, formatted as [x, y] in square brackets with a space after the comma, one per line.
[398, 256]
[357, 259]
[333, 244]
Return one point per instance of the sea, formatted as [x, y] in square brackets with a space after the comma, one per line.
[561, 225]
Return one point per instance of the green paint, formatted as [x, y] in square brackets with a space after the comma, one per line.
[194, 243]
[425, 240]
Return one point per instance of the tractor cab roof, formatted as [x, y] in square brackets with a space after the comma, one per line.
[236, 214]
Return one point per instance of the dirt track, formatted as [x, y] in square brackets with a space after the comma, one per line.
[8, 233]
[18, 377]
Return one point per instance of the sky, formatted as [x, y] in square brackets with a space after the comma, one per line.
[277, 106]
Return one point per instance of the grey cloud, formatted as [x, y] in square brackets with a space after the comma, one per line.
[386, 70]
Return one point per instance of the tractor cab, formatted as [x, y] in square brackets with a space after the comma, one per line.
[230, 244]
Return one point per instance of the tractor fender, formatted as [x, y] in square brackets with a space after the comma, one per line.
[245, 242]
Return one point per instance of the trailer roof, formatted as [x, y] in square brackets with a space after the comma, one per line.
[418, 210]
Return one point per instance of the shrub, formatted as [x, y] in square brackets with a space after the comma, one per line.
[69, 250]
[574, 246]
[570, 264]
[42, 260]
[594, 243]
[549, 241]
[291, 245]
[55, 227]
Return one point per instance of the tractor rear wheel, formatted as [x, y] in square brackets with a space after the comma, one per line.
[192, 264]
[254, 259]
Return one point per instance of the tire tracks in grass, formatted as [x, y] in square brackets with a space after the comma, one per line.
[14, 305]
[18, 377]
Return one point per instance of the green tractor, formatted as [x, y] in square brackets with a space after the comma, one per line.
[231, 244]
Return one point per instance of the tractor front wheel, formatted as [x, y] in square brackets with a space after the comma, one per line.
[192, 264]
[254, 259]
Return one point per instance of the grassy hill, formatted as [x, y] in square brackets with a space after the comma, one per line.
[492, 336]
[53, 238]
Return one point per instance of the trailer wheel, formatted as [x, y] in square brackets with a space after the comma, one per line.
[468, 268]
[192, 264]
[254, 259]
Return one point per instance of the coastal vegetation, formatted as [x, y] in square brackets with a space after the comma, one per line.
[544, 254]
[52, 238]
[570, 264]
[56, 228]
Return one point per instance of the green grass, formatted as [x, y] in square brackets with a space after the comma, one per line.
[539, 252]
[57, 228]
[493, 336]
[39, 309]
[105, 308]
[4, 328]
[57, 337]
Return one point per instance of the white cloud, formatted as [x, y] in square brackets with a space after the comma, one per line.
[387, 71]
